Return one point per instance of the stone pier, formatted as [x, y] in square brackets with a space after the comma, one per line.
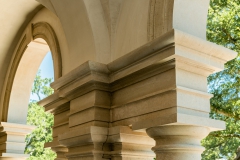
[159, 89]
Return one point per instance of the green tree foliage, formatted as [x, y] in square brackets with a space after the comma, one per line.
[223, 28]
[43, 121]
[41, 87]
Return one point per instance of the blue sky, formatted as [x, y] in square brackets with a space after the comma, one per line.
[46, 68]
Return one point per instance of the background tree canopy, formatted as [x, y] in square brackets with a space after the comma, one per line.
[223, 28]
[43, 121]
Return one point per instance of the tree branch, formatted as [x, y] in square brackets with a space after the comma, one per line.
[225, 114]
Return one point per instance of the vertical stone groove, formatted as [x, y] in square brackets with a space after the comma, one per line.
[160, 18]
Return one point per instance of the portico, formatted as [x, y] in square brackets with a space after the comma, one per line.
[131, 78]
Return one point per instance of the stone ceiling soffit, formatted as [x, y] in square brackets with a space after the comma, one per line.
[112, 10]
[106, 10]
[100, 30]
[48, 4]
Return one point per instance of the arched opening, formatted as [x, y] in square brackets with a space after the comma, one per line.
[19, 102]
[37, 116]
[22, 84]
[43, 39]
[23, 69]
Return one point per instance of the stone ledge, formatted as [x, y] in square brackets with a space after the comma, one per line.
[11, 155]
[180, 119]
[16, 128]
[86, 135]
[79, 72]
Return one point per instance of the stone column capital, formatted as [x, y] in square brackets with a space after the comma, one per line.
[178, 142]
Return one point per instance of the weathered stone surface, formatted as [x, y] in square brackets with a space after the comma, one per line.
[87, 143]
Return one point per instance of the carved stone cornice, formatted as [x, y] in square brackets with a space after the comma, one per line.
[174, 44]
[88, 76]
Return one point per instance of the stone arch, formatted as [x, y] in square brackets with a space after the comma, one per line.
[41, 37]
[45, 31]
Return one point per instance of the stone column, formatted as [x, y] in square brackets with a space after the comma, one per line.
[12, 137]
[177, 142]
[130, 145]
[183, 103]
[86, 144]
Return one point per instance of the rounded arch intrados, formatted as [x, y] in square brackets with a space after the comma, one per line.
[44, 31]
[28, 57]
